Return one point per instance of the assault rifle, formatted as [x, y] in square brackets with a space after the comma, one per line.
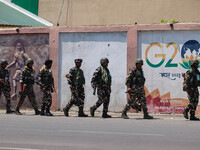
[134, 91]
[52, 88]
[23, 89]
[94, 92]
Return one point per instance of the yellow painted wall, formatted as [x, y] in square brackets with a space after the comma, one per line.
[118, 12]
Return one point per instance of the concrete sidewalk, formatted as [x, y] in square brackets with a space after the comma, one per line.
[113, 114]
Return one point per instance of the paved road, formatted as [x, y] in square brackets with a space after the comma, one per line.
[30, 132]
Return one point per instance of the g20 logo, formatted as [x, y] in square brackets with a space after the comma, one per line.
[189, 51]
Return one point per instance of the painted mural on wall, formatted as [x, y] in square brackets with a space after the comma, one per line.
[167, 56]
[16, 49]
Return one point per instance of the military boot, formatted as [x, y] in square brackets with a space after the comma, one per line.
[48, 113]
[185, 113]
[37, 112]
[9, 111]
[105, 115]
[17, 112]
[81, 113]
[92, 110]
[146, 115]
[192, 116]
[66, 111]
[42, 113]
[124, 115]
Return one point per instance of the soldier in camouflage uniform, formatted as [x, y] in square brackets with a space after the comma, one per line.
[46, 81]
[5, 84]
[102, 81]
[191, 83]
[135, 83]
[76, 80]
[26, 87]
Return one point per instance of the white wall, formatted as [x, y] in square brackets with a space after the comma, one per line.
[91, 47]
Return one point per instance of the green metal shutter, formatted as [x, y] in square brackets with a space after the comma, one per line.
[30, 5]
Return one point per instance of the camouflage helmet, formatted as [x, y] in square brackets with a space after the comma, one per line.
[48, 62]
[3, 62]
[139, 61]
[78, 60]
[194, 61]
[29, 61]
[103, 60]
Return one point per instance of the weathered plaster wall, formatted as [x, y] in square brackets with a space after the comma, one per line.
[118, 12]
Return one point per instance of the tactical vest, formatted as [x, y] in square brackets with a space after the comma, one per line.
[4, 74]
[28, 76]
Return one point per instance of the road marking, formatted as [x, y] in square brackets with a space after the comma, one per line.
[11, 148]
[121, 133]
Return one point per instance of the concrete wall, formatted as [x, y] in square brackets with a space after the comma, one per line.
[118, 12]
[128, 43]
[91, 47]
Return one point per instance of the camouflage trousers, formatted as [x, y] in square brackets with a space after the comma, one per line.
[103, 98]
[137, 101]
[77, 98]
[6, 92]
[193, 99]
[47, 100]
[31, 95]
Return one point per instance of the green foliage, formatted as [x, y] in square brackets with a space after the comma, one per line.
[166, 21]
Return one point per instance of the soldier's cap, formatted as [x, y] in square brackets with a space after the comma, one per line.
[194, 61]
[103, 60]
[139, 61]
[78, 60]
[48, 62]
[29, 61]
[3, 62]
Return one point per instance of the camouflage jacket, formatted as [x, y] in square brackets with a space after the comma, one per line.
[192, 79]
[4, 74]
[45, 78]
[76, 77]
[27, 76]
[135, 78]
[98, 80]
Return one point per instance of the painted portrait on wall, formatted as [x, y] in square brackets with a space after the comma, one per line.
[16, 49]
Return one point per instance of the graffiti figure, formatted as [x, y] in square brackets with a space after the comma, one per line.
[102, 81]
[135, 83]
[190, 85]
[76, 80]
[19, 61]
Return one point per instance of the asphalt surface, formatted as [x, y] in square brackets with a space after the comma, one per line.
[30, 132]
